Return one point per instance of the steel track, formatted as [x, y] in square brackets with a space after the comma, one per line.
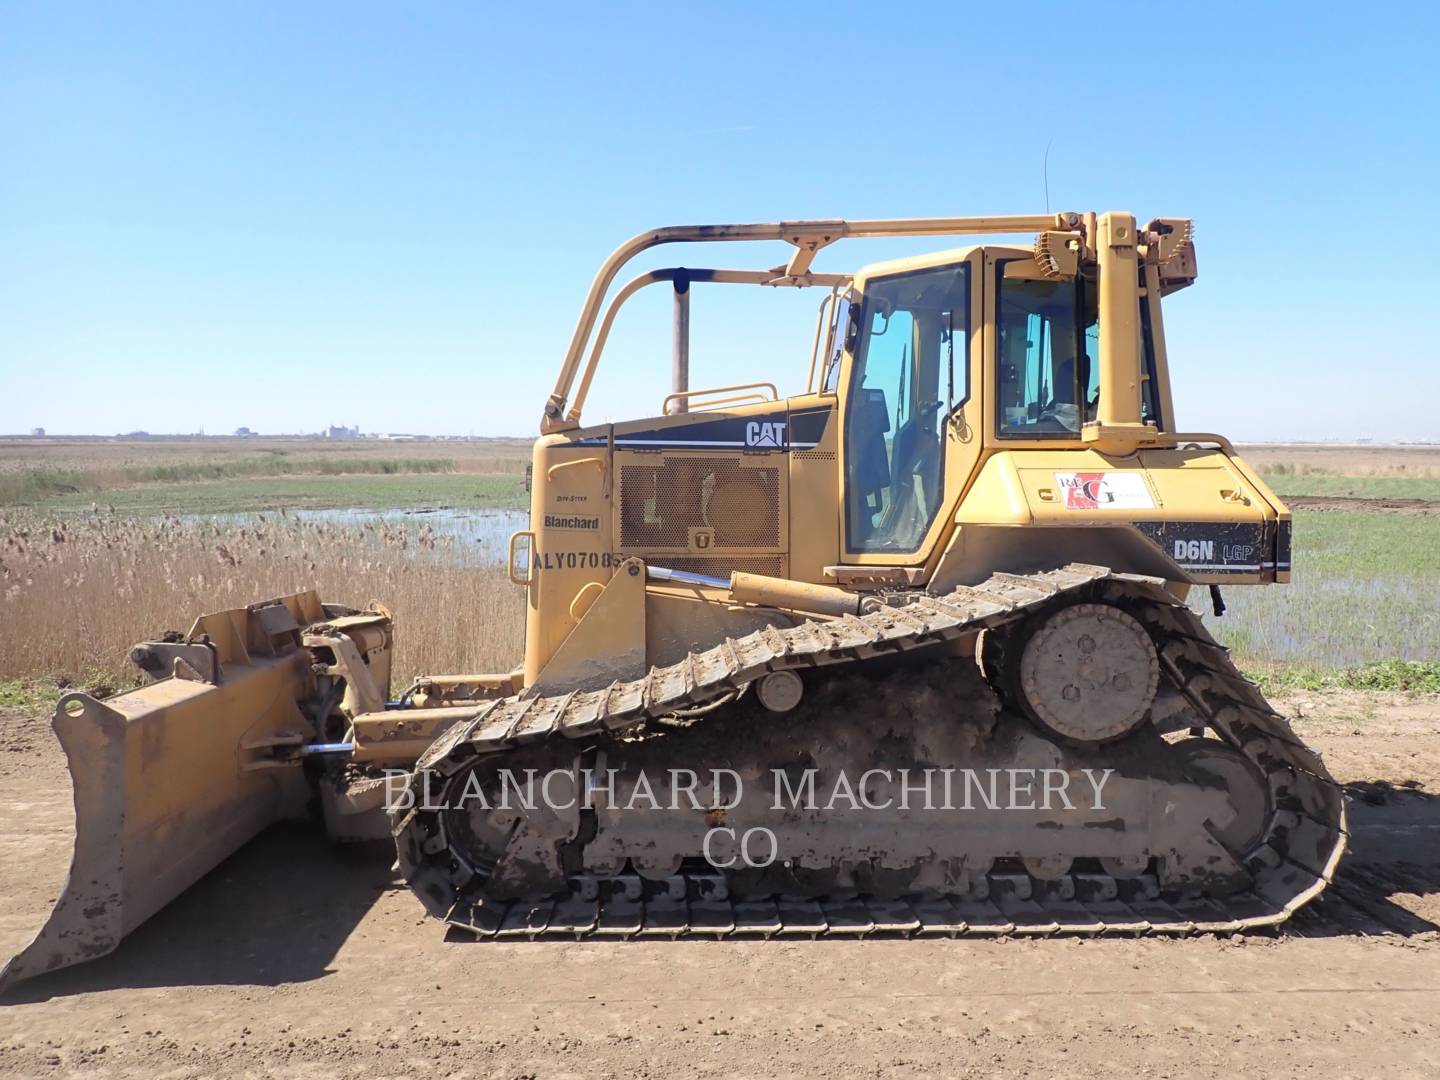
[1291, 865]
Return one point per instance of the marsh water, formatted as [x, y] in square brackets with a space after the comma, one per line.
[479, 537]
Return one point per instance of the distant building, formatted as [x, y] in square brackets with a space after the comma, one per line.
[244, 433]
[340, 431]
[37, 432]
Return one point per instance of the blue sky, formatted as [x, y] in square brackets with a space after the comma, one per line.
[290, 215]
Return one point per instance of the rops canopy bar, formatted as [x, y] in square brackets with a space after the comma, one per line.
[808, 237]
[691, 275]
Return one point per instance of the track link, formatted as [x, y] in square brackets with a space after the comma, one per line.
[1292, 864]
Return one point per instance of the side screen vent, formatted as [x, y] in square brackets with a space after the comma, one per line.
[736, 503]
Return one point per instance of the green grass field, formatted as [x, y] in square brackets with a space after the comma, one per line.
[363, 492]
[199, 476]
[1356, 487]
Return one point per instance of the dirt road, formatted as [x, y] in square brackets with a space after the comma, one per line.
[298, 960]
[1422, 507]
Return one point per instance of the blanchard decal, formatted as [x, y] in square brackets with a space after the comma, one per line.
[801, 430]
[561, 521]
[1208, 547]
[1105, 491]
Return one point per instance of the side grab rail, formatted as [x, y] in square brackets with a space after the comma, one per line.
[754, 395]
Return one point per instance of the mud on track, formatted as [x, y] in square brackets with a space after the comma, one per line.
[300, 960]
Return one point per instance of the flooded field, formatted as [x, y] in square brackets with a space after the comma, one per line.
[1364, 591]
[477, 537]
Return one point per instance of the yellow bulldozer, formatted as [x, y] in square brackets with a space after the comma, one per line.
[910, 652]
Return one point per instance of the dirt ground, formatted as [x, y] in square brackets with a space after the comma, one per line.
[295, 959]
[1421, 507]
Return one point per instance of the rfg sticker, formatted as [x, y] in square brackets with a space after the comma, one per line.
[1105, 491]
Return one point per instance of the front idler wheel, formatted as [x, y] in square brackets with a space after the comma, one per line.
[1089, 673]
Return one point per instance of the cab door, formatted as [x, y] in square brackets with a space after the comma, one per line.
[910, 401]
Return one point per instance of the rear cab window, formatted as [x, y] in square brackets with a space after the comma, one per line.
[1047, 378]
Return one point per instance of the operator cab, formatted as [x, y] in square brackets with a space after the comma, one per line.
[927, 348]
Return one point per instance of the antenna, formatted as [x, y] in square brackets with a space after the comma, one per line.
[1046, 168]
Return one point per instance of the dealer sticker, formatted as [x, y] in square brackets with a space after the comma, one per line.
[1105, 491]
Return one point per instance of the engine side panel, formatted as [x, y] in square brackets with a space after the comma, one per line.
[1196, 516]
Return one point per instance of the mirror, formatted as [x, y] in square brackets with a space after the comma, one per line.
[883, 309]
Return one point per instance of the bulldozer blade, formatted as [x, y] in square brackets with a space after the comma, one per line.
[161, 797]
[171, 778]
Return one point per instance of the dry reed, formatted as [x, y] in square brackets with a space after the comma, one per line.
[77, 591]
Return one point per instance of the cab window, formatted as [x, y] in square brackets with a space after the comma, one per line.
[1149, 384]
[910, 372]
[1048, 382]
[1044, 333]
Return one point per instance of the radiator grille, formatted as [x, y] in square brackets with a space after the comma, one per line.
[661, 503]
